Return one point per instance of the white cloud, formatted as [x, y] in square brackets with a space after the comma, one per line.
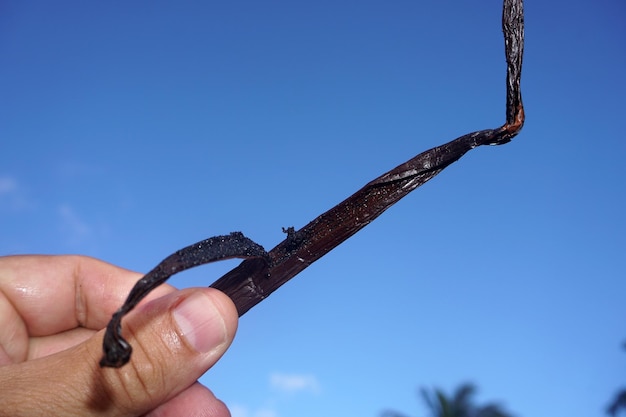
[265, 412]
[12, 195]
[280, 384]
[74, 228]
[237, 410]
[294, 382]
[7, 185]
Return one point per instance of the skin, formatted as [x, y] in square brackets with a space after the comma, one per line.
[52, 312]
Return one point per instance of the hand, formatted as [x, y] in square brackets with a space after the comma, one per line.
[52, 312]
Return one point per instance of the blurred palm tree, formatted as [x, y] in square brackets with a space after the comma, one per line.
[619, 403]
[458, 405]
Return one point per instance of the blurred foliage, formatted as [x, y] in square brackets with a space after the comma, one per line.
[619, 403]
[460, 404]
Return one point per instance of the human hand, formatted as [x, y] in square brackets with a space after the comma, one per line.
[52, 312]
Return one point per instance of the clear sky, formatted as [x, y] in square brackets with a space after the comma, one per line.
[129, 130]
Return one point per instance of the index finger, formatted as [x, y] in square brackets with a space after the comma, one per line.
[52, 294]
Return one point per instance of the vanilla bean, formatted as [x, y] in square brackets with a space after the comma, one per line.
[116, 349]
[253, 280]
[262, 273]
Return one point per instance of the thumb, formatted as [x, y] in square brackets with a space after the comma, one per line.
[175, 339]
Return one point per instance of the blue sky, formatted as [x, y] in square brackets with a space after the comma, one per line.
[129, 130]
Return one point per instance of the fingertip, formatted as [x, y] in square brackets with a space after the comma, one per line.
[175, 339]
[195, 401]
[226, 308]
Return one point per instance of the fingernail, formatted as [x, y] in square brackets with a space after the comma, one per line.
[200, 323]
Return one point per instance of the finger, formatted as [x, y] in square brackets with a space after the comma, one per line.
[52, 294]
[175, 338]
[47, 345]
[195, 401]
